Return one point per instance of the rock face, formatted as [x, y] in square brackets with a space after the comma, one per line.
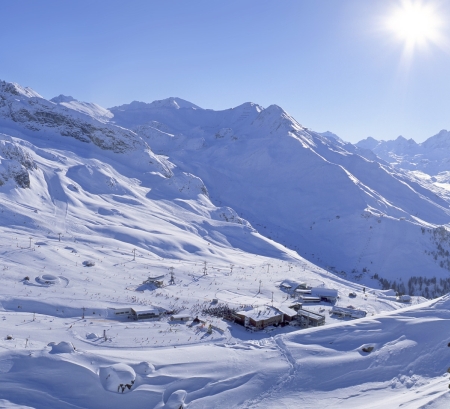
[25, 109]
[15, 163]
[25, 112]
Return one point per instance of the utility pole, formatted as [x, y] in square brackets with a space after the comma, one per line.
[231, 269]
[84, 309]
[59, 236]
[134, 254]
[172, 276]
[268, 266]
[259, 291]
[104, 335]
[205, 270]
[30, 242]
[272, 298]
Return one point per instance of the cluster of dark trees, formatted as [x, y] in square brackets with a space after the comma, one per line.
[424, 286]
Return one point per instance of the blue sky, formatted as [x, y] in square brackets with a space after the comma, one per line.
[329, 63]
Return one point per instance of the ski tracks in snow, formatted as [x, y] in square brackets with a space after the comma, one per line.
[282, 381]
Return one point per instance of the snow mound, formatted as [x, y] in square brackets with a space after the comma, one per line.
[117, 378]
[176, 400]
[92, 335]
[62, 348]
[144, 368]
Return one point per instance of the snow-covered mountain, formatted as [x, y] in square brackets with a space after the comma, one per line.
[431, 156]
[333, 203]
[91, 109]
[78, 173]
[216, 205]
[336, 204]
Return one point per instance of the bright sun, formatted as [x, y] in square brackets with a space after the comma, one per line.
[416, 23]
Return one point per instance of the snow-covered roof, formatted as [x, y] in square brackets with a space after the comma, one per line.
[324, 292]
[310, 314]
[289, 283]
[146, 311]
[180, 316]
[157, 278]
[310, 298]
[286, 310]
[301, 291]
[261, 313]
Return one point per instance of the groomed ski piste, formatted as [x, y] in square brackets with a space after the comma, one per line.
[94, 232]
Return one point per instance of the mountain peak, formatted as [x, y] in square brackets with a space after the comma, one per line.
[173, 102]
[275, 109]
[16, 89]
[368, 143]
[403, 141]
[250, 106]
[62, 98]
[440, 140]
[167, 103]
[331, 135]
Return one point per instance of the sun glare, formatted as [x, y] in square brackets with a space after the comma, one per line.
[416, 23]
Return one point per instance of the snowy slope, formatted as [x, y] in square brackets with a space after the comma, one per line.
[89, 212]
[334, 203]
[174, 364]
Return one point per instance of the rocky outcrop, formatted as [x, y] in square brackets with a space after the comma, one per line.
[24, 107]
[15, 163]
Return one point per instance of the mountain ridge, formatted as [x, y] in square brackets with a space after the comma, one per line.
[335, 204]
[430, 156]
